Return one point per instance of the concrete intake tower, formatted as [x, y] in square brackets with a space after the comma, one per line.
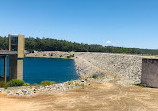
[15, 55]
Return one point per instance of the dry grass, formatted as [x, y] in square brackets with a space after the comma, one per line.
[101, 97]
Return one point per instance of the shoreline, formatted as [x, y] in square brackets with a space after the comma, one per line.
[65, 86]
[124, 66]
[87, 64]
[39, 89]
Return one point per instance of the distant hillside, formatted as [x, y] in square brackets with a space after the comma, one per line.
[47, 44]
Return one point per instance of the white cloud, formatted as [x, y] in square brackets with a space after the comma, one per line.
[108, 42]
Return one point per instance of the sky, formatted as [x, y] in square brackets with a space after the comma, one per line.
[125, 23]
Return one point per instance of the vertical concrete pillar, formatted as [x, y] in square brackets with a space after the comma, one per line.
[9, 42]
[5, 68]
[12, 66]
[15, 67]
[21, 46]
[20, 56]
[20, 69]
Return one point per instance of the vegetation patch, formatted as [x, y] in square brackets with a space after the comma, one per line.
[95, 76]
[26, 84]
[15, 82]
[82, 85]
[46, 83]
[68, 57]
[143, 85]
[44, 54]
[48, 44]
[77, 84]
[69, 83]
[2, 84]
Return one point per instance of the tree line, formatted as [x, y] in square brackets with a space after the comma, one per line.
[48, 44]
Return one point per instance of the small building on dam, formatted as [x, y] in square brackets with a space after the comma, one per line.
[15, 55]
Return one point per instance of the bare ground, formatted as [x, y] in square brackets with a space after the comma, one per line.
[101, 97]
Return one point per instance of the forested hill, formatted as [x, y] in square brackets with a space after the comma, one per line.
[47, 44]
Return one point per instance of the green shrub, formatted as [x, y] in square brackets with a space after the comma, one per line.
[141, 85]
[15, 82]
[72, 55]
[45, 83]
[2, 84]
[26, 84]
[31, 51]
[95, 76]
[68, 57]
[77, 84]
[98, 75]
[82, 85]
[69, 83]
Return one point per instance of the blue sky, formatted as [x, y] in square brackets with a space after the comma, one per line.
[127, 23]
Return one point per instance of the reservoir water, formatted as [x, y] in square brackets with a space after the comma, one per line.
[52, 69]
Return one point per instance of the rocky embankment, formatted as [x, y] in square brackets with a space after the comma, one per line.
[50, 89]
[50, 54]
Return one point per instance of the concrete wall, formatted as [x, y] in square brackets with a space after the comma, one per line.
[150, 72]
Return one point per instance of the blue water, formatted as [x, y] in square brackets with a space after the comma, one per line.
[52, 69]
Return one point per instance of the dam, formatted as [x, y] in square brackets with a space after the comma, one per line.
[15, 54]
[137, 68]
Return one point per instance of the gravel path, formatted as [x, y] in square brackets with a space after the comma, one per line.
[101, 97]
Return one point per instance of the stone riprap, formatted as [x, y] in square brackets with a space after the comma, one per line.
[50, 89]
[128, 66]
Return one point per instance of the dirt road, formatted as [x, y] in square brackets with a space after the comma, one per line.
[101, 97]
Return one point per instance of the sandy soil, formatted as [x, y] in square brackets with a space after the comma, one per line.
[101, 97]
